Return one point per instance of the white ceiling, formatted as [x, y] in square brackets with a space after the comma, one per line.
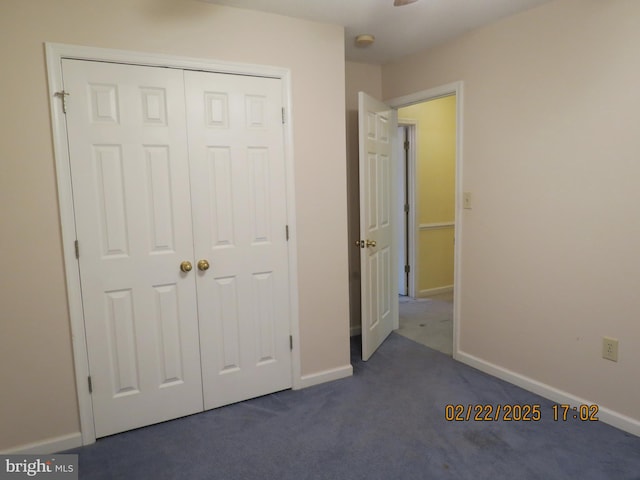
[398, 31]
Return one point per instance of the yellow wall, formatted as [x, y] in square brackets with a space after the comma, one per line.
[37, 386]
[551, 154]
[435, 190]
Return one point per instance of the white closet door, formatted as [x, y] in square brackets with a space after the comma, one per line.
[239, 219]
[128, 155]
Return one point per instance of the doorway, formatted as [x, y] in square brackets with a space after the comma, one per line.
[429, 159]
[406, 163]
[450, 90]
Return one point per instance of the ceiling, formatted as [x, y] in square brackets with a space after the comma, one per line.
[398, 31]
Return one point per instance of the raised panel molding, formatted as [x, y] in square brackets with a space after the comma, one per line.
[383, 129]
[260, 181]
[169, 349]
[255, 112]
[217, 110]
[263, 314]
[120, 321]
[372, 161]
[162, 233]
[104, 103]
[385, 197]
[372, 126]
[154, 105]
[110, 184]
[374, 281]
[222, 207]
[227, 309]
[384, 280]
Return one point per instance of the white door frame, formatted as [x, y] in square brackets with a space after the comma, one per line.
[411, 173]
[54, 55]
[455, 88]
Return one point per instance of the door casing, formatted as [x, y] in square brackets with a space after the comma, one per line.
[54, 55]
[410, 178]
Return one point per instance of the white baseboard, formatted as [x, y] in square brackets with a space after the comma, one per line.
[605, 415]
[435, 291]
[45, 447]
[355, 330]
[325, 376]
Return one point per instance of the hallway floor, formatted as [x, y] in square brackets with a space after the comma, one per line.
[428, 321]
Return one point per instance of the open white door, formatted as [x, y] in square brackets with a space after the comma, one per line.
[378, 252]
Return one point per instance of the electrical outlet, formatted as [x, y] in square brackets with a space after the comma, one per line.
[466, 200]
[610, 349]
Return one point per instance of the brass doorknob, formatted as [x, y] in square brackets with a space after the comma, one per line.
[203, 265]
[186, 266]
[371, 243]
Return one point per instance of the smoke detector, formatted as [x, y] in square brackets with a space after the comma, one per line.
[365, 40]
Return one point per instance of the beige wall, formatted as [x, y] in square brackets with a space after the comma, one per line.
[38, 399]
[550, 259]
[360, 77]
[435, 185]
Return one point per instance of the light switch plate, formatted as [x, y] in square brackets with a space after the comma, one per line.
[466, 200]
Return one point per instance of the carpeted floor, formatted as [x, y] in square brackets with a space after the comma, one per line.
[386, 422]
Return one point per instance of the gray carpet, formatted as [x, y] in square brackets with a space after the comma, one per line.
[385, 422]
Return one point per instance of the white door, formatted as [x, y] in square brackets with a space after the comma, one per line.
[141, 191]
[127, 148]
[236, 142]
[378, 255]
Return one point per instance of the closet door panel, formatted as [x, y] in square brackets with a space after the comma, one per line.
[128, 153]
[238, 180]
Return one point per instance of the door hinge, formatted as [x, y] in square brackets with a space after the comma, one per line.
[76, 245]
[406, 208]
[291, 342]
[63, 95]
[286, 231]
[283, 116]
[407, 268]
[90, 384]
[406, 145]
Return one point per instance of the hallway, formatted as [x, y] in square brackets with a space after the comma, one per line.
[428, 321]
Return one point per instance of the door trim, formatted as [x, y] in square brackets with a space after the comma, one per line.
[412, 174]
[54, 55]
[457, 89]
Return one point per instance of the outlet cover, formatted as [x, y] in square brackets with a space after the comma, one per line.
[610, 349]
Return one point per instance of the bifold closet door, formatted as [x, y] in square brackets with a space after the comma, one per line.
[128, 153]
[238, 185]
[179, 195]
